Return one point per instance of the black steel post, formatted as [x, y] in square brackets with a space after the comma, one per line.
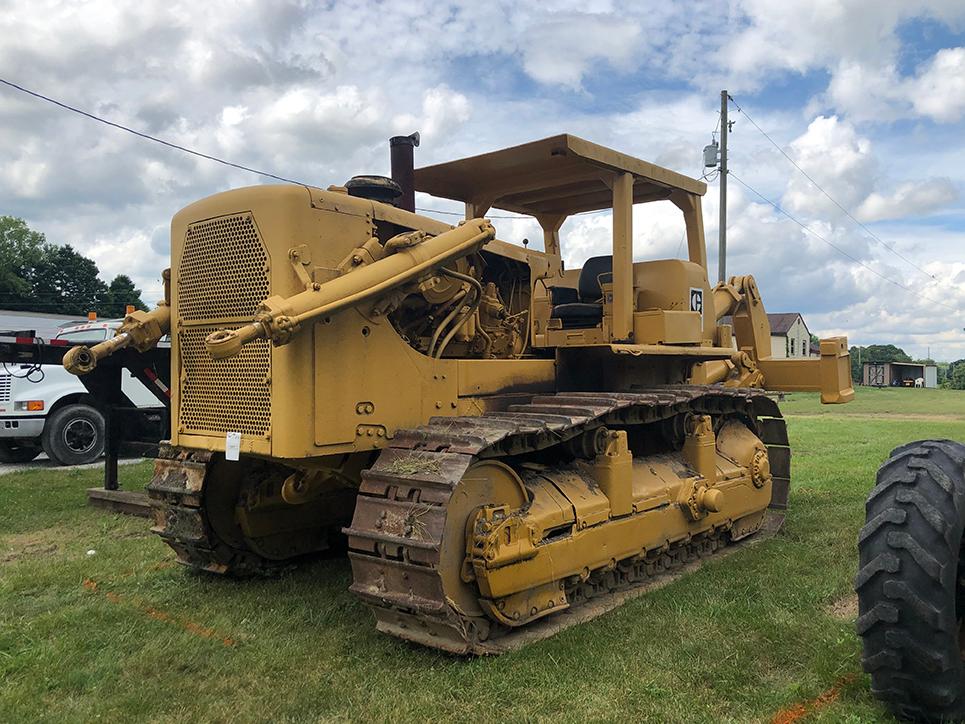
[113, 431]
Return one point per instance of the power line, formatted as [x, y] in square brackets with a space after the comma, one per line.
[147, 136]
[833, 245]
[832, 199]
[207, 156]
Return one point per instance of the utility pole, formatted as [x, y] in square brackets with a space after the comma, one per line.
[722, 232]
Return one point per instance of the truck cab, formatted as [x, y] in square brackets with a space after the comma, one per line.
[47, 409]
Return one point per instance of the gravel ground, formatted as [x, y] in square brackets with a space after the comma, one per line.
[42, 461]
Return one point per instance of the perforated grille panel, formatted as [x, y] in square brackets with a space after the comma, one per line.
[229, 395]
[4, 388]
[223, 274]
[224, 269]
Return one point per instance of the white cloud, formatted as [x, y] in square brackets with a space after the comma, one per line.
[909, 199]
[443, 111]
[800, 35]
[836, 157]
[857, 43]
[559, 51]
[867, 92]
[939, 91]
[877, 92]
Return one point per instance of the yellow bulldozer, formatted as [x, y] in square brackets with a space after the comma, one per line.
[499, 438]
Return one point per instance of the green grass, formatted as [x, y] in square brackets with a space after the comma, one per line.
[891, 401]
[739, 640]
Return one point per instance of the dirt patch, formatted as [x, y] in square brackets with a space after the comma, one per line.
[27, 545]
[43, 543]
[158, 615]
[845, 608]
[896, 415]
[804, 710]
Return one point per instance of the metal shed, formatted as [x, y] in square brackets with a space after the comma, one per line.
[899, 374]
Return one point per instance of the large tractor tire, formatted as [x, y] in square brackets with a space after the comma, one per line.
[911, 590]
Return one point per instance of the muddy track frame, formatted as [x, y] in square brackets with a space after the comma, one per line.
[396, 564]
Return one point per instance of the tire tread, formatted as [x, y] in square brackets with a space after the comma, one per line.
[907, 580]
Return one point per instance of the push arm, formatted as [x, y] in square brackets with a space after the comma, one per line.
[369, 272]
[140, 330]
[753, 364]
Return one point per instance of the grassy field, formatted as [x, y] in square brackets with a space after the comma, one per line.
[97, 623]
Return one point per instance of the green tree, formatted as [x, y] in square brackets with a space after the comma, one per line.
[956, 375]
[69, 280]
[120, 293]
[875, 354]
[942, 373]
[37, 276]
[21, 251]
[957, 379]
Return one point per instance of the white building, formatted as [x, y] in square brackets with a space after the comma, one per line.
[790, 336]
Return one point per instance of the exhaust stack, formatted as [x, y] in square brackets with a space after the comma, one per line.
[402, 150]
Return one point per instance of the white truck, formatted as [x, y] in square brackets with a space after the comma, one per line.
[47, 409]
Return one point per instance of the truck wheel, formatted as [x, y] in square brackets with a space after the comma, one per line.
[74, 435]
[910, 584]
[15, 452]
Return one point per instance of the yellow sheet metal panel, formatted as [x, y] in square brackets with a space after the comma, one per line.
[659, 326]
[386, 385]
[493, 376]
[589, 503]
[675, 285]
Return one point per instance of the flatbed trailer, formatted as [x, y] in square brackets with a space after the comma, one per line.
[129, 428]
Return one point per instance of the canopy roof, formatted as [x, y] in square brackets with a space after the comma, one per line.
[558, 175]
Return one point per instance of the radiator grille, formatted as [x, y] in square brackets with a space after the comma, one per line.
[229, 395]
[224, 269]
[4, 387]
[223, 274]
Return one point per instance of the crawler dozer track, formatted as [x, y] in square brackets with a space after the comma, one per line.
[409, 537]
[409, 540]
[229, 519]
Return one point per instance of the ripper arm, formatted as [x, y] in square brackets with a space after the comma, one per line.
[368, 272]
[140, 330]
[753, 366]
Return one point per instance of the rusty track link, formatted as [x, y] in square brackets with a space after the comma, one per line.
[182, 521]
[396, 535]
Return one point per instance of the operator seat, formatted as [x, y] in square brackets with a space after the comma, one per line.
[583, 307]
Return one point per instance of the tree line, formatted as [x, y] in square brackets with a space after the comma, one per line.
[39, 276]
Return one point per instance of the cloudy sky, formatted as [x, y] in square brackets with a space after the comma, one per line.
[867, 96]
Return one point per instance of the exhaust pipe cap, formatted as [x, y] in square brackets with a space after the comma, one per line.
[410, 140]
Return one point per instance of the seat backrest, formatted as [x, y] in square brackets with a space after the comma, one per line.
[596, 269]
